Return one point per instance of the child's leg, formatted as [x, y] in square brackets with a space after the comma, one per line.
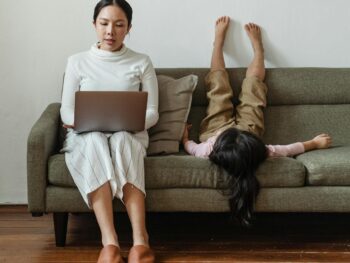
[219, 94]
[249, 112]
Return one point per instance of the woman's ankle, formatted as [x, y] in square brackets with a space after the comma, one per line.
[110, 240]
[141, 239]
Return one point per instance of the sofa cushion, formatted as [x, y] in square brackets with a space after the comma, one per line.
[58, 172]
[330, 167]
[184, 171]
[281, 172]
[292, 123]
[175, 98]
[286, 86]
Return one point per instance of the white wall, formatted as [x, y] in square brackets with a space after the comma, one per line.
[38, 35]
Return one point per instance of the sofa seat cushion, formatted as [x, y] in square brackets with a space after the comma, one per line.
[184, 171]
[330, 167]
[281, 172]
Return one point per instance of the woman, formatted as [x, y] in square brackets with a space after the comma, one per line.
[233, 142]
[105, 165]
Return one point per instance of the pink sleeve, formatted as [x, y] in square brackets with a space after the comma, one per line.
[285, 150]
[199, 149]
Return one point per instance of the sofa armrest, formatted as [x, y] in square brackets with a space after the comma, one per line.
[42, 142]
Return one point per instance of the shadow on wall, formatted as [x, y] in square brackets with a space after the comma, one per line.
[238, 48]
[235, 47]
[274, 55]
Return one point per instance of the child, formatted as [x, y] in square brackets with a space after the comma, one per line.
[233, 142]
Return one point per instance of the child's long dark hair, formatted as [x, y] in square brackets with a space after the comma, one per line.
[240, 153]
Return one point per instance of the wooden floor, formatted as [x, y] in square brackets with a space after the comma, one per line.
[182, 237]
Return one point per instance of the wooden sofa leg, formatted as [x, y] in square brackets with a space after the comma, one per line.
[60, 221]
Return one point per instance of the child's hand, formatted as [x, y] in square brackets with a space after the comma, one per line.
[185, 134]
[322, 141]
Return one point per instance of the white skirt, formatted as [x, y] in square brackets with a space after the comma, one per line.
[95, 158]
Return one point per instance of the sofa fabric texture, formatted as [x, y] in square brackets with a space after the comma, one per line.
[183, 171]
[301, 103]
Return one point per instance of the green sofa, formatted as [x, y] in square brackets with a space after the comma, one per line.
[302, 102]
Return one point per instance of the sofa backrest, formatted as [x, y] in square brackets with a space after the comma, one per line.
[302, 102]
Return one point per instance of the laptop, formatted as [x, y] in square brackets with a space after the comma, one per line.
[110, 111]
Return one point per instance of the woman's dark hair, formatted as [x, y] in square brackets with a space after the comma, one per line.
[120, 3]
[240, 153]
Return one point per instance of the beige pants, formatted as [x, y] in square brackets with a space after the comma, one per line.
[220, 112]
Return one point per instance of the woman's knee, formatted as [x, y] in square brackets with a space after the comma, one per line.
[118, 138]
[92, 140]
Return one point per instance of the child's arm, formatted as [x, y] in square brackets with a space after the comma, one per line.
[197, 149]
[321, 141]
[185, 134]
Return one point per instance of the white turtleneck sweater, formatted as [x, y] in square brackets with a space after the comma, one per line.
[100, 70]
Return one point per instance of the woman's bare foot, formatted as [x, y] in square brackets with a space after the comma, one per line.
[221, 26]
[257, 66]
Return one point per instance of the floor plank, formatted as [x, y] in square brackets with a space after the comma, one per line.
[182, 237]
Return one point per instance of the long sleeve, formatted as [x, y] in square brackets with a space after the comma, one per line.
[205, 148]
[285, 150]
[200, 149]
[101, 70]
[70, 86]
[149, 84]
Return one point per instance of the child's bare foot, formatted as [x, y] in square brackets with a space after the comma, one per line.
[256, 68]
[254, 34]
[221, 26]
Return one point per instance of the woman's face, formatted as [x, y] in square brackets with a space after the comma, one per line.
[111, 27]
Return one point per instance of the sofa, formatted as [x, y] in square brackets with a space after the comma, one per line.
[302, 102]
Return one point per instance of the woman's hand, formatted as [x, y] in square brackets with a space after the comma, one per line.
[185, 134]
[68, 126]
[322, 141]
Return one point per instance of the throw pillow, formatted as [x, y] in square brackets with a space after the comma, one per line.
[175, 98]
